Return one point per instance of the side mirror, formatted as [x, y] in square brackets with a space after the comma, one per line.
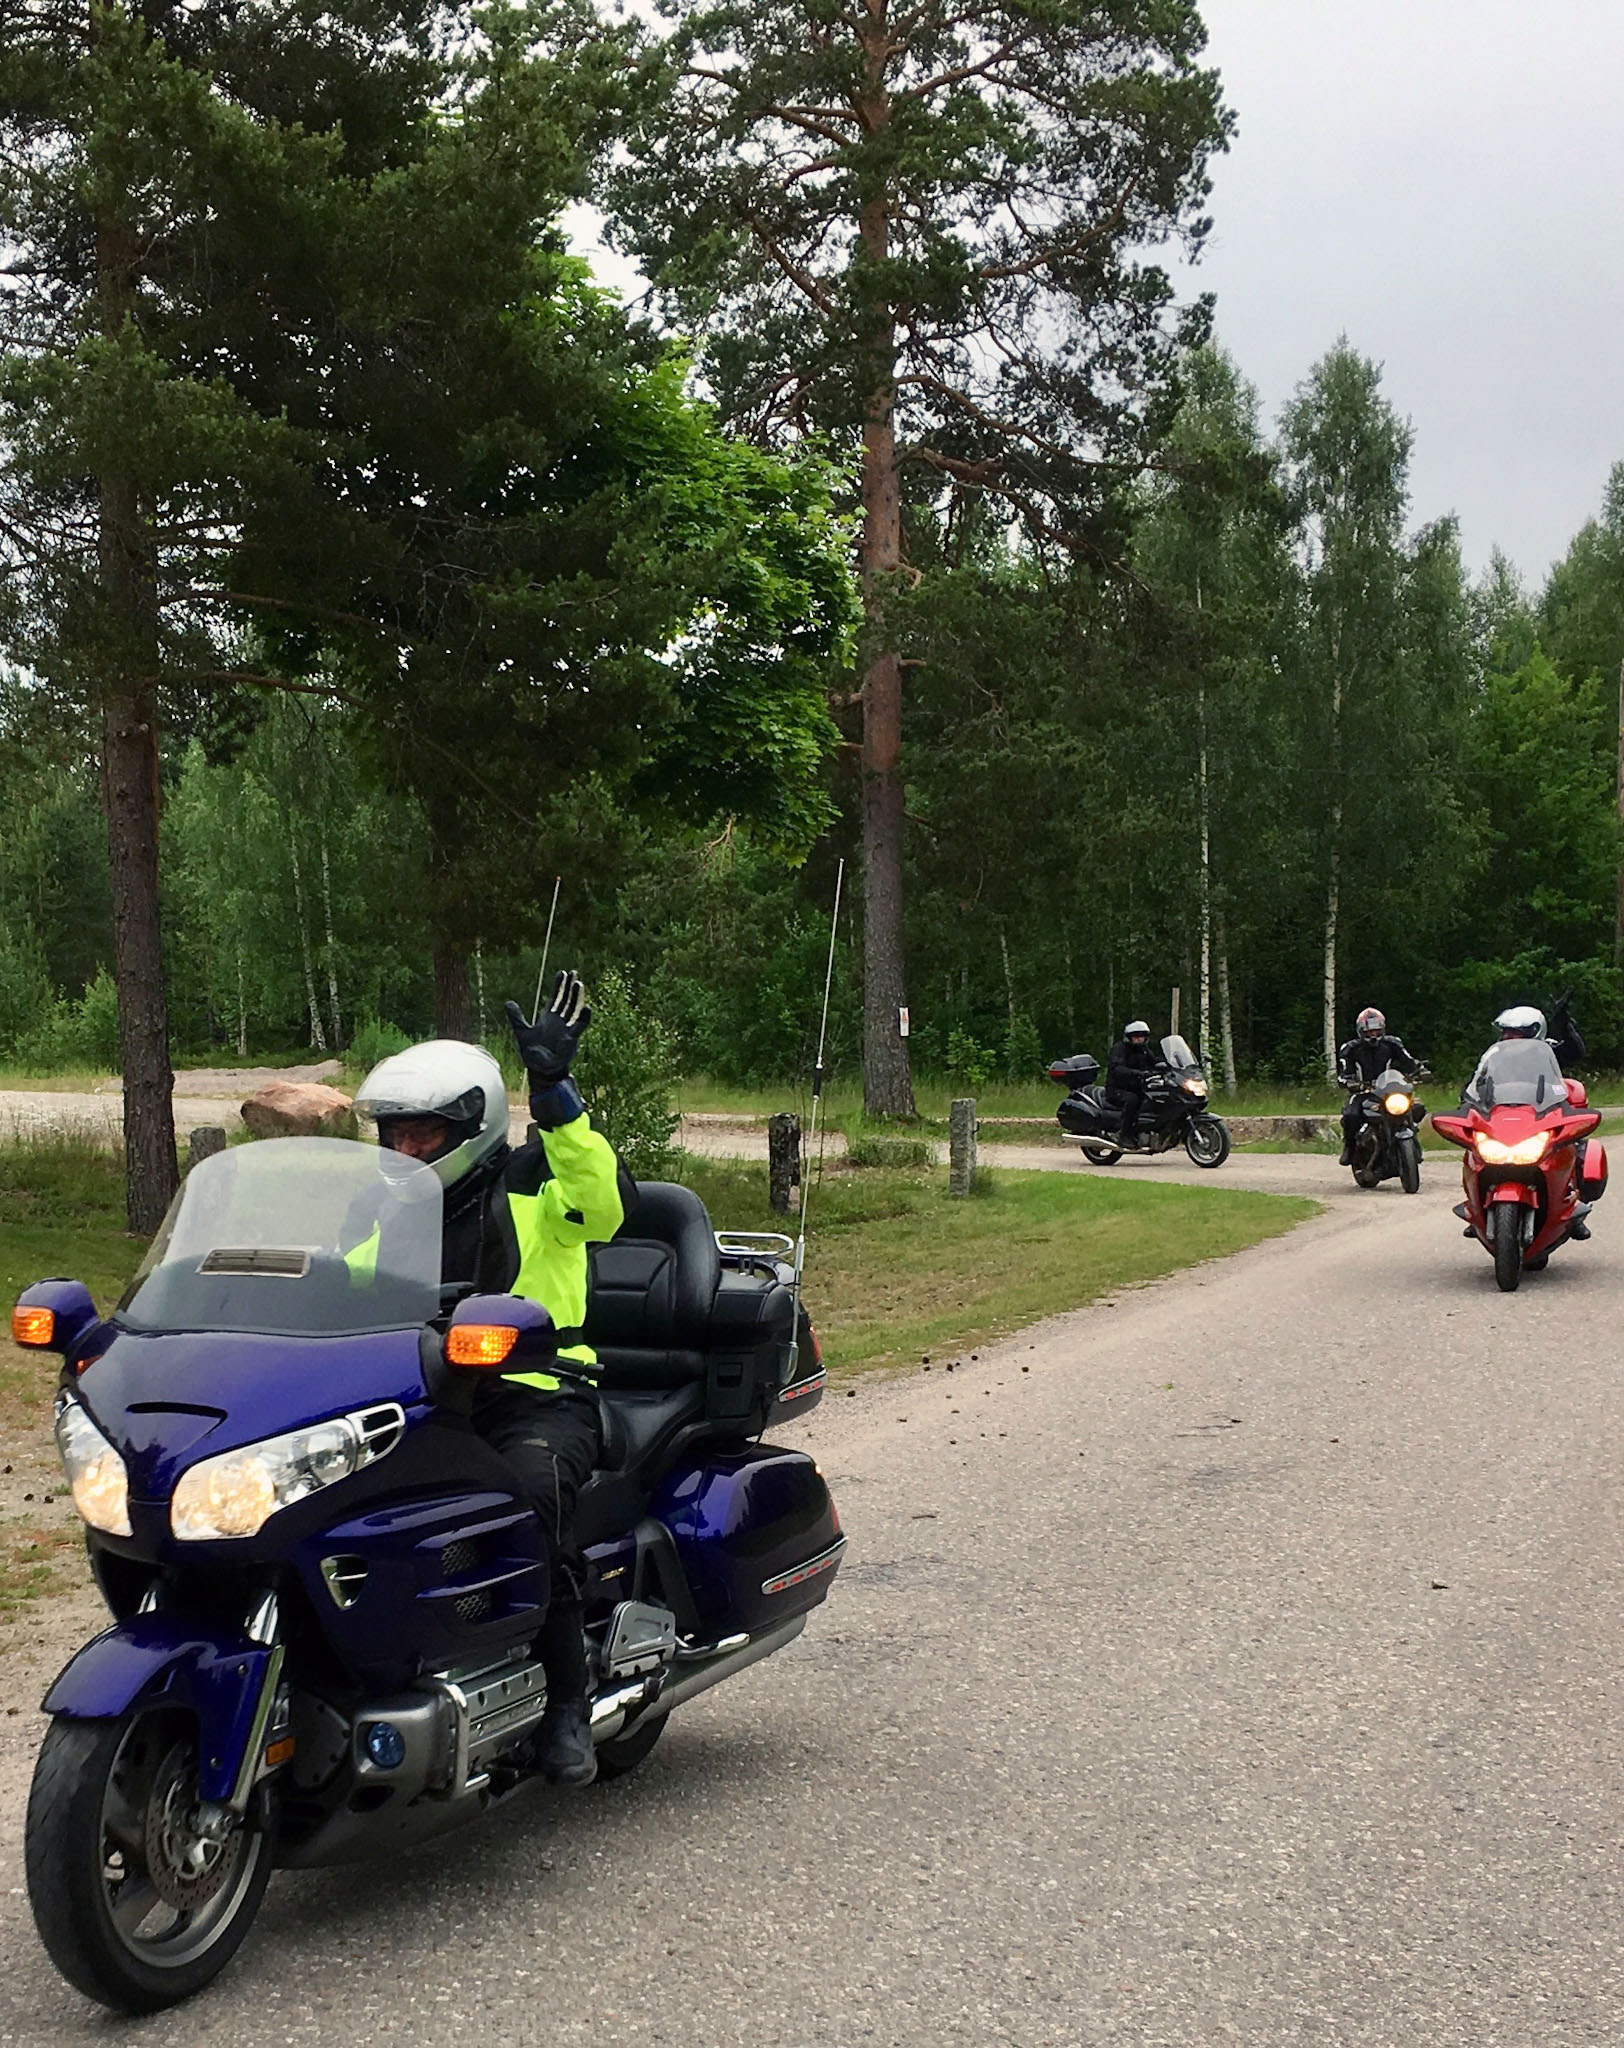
[53, 1315]
[1457, 1129]
[500, 1333]
[1578, 1094]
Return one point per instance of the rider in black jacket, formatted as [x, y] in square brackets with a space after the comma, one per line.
[1370, 1051]
[1126, 1066]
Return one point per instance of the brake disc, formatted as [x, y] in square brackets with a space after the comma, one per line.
[187, 1864]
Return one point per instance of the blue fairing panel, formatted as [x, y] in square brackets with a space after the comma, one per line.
[213, 1672]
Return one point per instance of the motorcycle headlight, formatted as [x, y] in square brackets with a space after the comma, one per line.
[1524, 1153]
[1396, 1104]
[1194, 1087]
[236, 1493]
[97, 1477]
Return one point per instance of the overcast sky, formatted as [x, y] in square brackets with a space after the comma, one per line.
[1443, 181]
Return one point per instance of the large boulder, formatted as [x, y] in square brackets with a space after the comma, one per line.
[299, 1109]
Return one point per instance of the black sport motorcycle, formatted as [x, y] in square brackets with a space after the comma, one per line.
[1388, 1143]
[1174, 1110]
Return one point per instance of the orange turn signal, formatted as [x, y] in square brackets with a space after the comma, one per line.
[479, 1343]
[35, 1326]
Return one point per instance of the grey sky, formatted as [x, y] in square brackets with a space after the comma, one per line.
[1443, 180]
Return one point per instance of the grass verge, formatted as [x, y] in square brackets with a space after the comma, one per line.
[896, 1269]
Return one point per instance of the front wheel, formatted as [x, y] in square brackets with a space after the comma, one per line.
[140, 1892]
[1409, 1163]
[1207, 1141]
[1505, 1241]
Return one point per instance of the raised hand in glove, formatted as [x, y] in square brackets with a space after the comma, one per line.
[548, 1046]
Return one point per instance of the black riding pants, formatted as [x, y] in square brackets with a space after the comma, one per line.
[1353, 1116]
[1132, 1101]
[552, 1441]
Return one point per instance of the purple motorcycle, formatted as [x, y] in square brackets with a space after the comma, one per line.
[325, 1586]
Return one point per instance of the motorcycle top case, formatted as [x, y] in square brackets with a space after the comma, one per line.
[1082, 1070]
[757, 1535]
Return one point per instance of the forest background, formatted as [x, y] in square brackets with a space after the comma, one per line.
[1248, 727]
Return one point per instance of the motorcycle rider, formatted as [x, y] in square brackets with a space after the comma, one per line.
[1563, 1036]
[519, 1222]
[1126, 1066]
[1370, 1051]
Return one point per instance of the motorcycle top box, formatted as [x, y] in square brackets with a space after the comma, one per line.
[326, 1587]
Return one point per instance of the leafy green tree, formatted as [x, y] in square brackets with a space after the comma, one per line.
[920, 228]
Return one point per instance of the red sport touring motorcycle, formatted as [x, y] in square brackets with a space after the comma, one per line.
[1532, 1169]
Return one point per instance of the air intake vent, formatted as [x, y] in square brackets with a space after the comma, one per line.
[257, 1259]
[457, 1558]
[346, 1579]
[473, 1606]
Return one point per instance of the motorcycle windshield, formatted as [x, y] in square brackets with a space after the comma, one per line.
[1390, 1081]
[1518, 1073]
[1176, 1053]
[317, 1237]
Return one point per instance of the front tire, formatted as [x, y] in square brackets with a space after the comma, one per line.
[138, 1902]
[1207, 1141]
[1505, 1241]
[1409, 1163]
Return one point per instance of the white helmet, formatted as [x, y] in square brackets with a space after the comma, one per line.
[443, 1077]
[1138, 1028]
[1522, 1021]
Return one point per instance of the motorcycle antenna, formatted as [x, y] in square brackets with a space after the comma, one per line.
[546, 946]
[817, 1098]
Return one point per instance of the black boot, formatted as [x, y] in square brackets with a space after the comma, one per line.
[1347, 1155]
[564, 1741]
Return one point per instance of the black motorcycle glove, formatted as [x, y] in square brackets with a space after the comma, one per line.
[548, 1047]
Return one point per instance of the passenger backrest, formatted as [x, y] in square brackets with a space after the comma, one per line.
[653, 1286]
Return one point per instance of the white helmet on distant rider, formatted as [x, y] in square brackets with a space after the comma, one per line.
[440, 1083]
[1370, 1024]
[1521, 1021]
[1137, 1033]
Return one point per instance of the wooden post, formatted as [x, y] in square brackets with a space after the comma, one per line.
[1173, 1028]
[783, 1161]
[204, 1142]
[961, 1145]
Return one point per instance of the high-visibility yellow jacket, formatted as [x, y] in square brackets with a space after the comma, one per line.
[528, 1234]
[555, 1196]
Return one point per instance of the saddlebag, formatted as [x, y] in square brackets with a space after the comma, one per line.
[1592, 1170]
[757, 1534]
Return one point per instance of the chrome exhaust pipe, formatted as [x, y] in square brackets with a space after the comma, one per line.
[698, 1678]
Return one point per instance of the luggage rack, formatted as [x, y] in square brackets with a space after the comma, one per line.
[755, 1244]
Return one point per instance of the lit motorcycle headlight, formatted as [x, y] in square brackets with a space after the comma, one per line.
[236, 1493]
[1396, 1105]
[1194, 1087]
[97, 1477]
[1525, 1152]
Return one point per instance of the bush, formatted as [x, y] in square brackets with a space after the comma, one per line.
[81, 1034]
[969, 1064]
[374, 1040]
[627, 1071]
[1023, 1050]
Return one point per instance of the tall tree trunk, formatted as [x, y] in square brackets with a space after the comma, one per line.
[129, 786]
[1204, 992]
[1618, 908]
[1226, 1016]
[479, 990]
[332, 945]
[317, 1038]
[130, 802]
[453, 997]
[887, 1081]
[242, 1011]
[1333, 893]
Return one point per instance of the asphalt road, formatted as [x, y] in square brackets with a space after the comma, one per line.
[1233, 1662]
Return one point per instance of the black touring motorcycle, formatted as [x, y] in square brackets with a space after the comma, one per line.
[1174, 1110]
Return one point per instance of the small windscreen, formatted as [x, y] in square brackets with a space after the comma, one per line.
[1176, 1052]
[294, 1237]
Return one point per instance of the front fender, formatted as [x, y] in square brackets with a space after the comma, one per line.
[205, 1668]
[1511, 1191]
